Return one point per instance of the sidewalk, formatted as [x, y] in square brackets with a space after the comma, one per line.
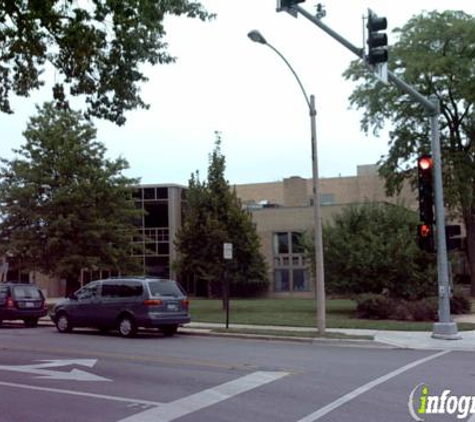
[398, 339]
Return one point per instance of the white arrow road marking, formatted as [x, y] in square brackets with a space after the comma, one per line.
[179, 408]
[41, 372]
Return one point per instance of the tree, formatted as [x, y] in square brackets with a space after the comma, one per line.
[434, 53]
[63, 205]
[97, 48]
[214, 215]
[371, 249]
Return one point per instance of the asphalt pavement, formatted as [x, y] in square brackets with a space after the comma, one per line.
[421, 340]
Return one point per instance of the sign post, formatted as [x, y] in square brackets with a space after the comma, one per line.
[228, 256]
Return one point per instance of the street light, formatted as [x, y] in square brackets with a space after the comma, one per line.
[256, 36]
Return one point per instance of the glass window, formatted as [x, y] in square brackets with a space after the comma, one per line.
[281, 243]
[131, 289]
[327, 199]
[282, 280]
[149, 193]
[162, 193]
[3, 292]
[300, 280]
[156, 214]
[87, 292]
[163, 248]
[298, 244]
[26, 292]
[165, 288]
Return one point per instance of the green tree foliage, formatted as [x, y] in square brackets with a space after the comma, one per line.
[435, 53]
[371, 249]
[64, 206]
[214, 216]
[96, 47]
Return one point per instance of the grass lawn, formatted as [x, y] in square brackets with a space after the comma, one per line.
[298, 313]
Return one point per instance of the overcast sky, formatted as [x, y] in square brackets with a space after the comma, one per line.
[224, 82]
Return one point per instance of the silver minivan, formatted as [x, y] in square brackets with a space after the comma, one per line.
[124, 304]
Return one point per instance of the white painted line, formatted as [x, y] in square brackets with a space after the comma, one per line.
[80, 393]
[179, 408]
[363, 389]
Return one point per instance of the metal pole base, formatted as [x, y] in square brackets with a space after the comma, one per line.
[446, 331]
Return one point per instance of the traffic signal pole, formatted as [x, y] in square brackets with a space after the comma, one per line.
[445, 328]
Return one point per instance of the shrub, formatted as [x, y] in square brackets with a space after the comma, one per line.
[374, 306]
[459, 304]
[250, 289]
[424, 309]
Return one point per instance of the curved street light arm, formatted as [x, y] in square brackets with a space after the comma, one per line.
[295, 74]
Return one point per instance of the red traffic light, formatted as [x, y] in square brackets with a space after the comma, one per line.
[425, 162]
[425, 230]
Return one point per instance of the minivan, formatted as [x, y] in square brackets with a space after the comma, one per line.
[124, 304]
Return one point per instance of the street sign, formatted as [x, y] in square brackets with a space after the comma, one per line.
[228, 250]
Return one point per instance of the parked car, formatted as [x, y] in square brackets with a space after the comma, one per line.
[124, 304]
[21, 301]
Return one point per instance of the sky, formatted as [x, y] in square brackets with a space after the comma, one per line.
[224, 82]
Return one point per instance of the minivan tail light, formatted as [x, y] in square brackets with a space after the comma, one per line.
[185, 303]
[152, 302]
[10, 303]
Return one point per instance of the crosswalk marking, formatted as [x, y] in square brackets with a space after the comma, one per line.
[179, 408]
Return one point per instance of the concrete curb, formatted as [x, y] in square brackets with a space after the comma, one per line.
[208, 332]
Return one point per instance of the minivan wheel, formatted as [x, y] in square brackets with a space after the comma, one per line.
[63, 325]
[30, 322]
[169, 330]
[127, 326]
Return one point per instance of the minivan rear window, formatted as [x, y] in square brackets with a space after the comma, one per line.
[165, 288]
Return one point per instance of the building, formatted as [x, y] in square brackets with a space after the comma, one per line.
[283, 212]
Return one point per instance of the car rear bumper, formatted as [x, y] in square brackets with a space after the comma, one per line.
[157, 320]
[12, 314]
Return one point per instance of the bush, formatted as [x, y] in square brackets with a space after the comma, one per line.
[374, 306]
[249, 289]
[459, 304]
[382, 307]
[424, 309]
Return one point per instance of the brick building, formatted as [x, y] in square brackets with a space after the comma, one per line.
[283, 211]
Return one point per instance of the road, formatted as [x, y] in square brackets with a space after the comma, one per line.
[88, 376]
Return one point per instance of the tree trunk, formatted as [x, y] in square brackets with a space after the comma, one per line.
[72, 284]
[469, 218]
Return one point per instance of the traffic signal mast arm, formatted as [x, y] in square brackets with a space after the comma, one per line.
[427, 103]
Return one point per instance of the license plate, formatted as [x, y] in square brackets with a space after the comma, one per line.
[172, 307]
[29, 305]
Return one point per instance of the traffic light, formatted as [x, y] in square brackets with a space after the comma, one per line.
[377, 41]
[285, 4]
[426, 191]
[425, 237]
